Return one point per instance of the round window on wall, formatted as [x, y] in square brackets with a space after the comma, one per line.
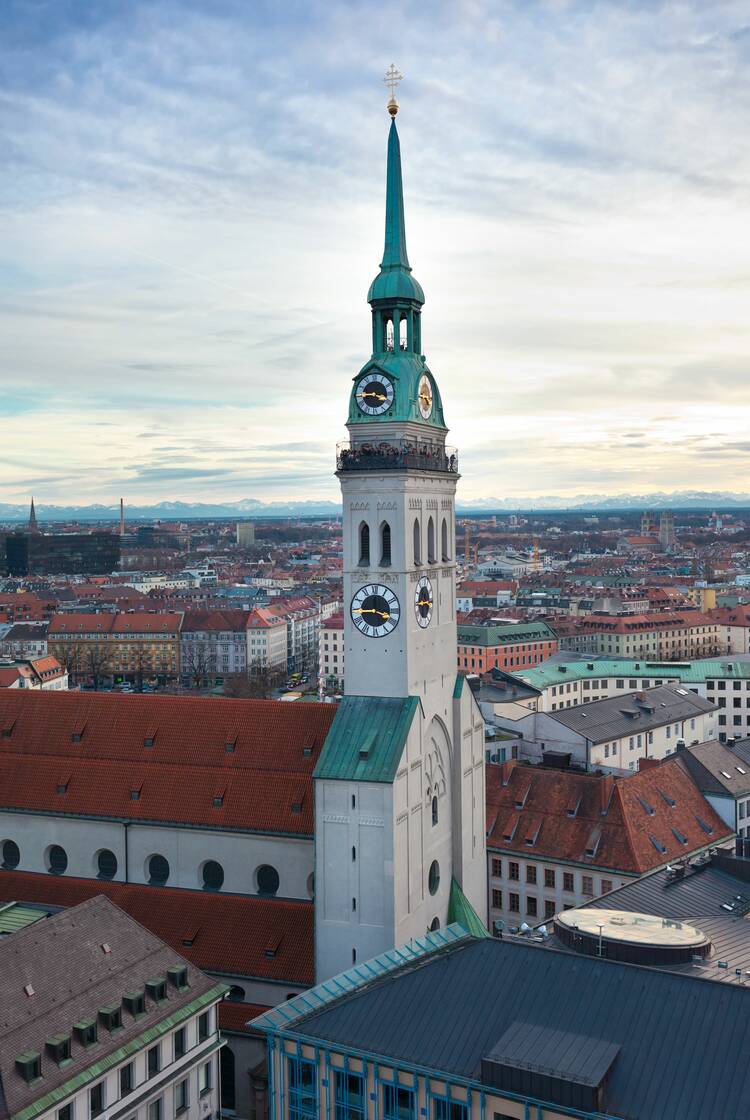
[11, 855]
[268, 879]
[433, 879]
[158, 871]
[106, 864]
[213, 875]
[57, 860]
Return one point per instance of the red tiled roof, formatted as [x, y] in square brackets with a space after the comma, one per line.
[260, 779]
[81, 623]
[229, 933]
[233, 1017]
[664, 620]
[626, 828]
[139, 622]
[8, 677]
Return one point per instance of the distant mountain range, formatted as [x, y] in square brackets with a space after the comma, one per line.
[252, 508]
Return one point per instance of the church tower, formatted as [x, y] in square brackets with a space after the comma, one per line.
[400, 784]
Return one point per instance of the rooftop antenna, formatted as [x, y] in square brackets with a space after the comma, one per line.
[122, 518]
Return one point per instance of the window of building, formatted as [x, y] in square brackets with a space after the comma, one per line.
[364, 544]
[96, 1099]
[205, 1078]
[57, 860]
[127, 1079]
[433, 878]
[11, 855]
[66, 1112]
[549, 909]
[153, 1061]
[606, 886]
[530, 873]
[155, 1109]
[513, 871]
[349, 1095]
[106, 864]
[587, 884]
[531, 907]
[385, 545]
[303, 1089]
[417, 541]
[158, 870]
[549, 877]
[181, 1098]
[435, 810]
[497, 867]
[445, 1109]
[514, 903]
[267, 879]
[568, 881]
[399, 1103]
[213, 875]
[203, 1026]
[180, 1043]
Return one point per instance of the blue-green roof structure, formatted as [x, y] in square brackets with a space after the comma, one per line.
[367, 739]
[396, 299]
[461, 911]
[687, 672]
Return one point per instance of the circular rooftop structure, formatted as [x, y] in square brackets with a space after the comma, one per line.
[622, 935]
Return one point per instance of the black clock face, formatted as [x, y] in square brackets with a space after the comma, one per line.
[423, 602]
[375, 610]
[374, 394]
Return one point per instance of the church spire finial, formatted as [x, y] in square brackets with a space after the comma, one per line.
[33, 527]
[392, 79]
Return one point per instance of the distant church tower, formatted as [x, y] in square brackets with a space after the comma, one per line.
[33, 527]
[399, 790]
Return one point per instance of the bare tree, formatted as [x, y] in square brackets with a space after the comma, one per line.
[258, 684]
[97, 663]
[196, 662]
[71, 656]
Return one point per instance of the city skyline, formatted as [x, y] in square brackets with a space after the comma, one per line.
[194, 213]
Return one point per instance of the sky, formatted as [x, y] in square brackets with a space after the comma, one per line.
[191, 212]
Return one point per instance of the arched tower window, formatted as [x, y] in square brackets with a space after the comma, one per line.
[389, 334]
[417, 333]
[417, 542]
[435, 810]
[403, 333]
[385, 545]
[430, 541]
[364, 543]
[444, 553]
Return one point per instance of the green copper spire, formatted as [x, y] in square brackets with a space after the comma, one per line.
[395, 280]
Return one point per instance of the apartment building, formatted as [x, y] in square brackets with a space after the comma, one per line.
[213, 646]
[331, 669]
[266, 639]
[43, 673]
[657, 636]
[556, 839]
[734, 628]
[23, 639]
[504, 645]
[101, 1019]
[131, 646]
[562, 684]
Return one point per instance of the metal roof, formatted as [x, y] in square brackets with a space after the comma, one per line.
[717, 768]
[687, 672]
[683, 1051]
[626, 715]
[498, 634]
[15, 916]
[367, 739]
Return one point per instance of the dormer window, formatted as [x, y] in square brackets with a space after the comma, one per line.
[29, 1065]
[178, 976]
[135, 1002]
[58, 1048]
[85, 1032]
[157, 989]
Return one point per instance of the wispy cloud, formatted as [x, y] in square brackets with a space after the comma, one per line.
[191, 211]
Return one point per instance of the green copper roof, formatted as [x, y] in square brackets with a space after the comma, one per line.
[405, 371]
[461, 911]
[14, 916]
[367, 739]
[504, 634]
[395, 280]
[687, 672]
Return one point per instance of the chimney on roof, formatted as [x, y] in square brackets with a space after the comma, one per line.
[606, 789]
[647, 764]
[681, 745]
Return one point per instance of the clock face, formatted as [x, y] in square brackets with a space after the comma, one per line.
[374, 394]
[423, 602]
[375, 610]
[424, 397]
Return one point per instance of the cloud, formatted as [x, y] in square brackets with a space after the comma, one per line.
[192, 210]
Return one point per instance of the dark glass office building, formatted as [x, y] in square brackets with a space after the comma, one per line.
[53, 554]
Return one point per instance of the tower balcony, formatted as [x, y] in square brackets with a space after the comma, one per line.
[396, 455]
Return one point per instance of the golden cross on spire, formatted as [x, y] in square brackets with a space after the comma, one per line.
[392, 79]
